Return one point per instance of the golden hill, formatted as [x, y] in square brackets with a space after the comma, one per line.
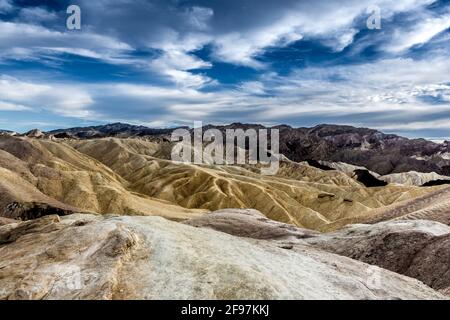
[298, 194]
[50, 172]
[434, 206]
[135, 177]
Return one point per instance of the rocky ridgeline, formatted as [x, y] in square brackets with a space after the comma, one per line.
[372, 149]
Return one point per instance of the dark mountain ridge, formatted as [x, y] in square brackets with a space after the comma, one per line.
[375, 150]
[118, 129]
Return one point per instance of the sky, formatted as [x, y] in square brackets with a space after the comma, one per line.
[164, 63]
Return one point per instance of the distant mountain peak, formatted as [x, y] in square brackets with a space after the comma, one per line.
[379, 152]
[35, 133]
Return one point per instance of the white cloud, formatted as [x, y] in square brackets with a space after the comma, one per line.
[7, 106]
[199, 17]
[60, 99]
[241, 48]
[417, 125]
[388, 88]
[253, 87]
[332, 23]
[5, 6]
[384, 86]
[180, 30]
[20, 40]
[36, 15]
[29, 42]
[175, 65]
[419, 33]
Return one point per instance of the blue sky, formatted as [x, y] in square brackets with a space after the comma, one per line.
[171, 62]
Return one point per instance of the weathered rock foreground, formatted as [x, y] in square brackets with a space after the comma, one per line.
[109, 257]
[417, 248]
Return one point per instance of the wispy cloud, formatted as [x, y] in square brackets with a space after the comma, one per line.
[421, 32]
[7, 106]
[5, 6]
[59, 99]
[188, 51]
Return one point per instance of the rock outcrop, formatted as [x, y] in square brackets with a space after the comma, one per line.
[413, 178]
[249, 223]
[346, 168]
[122, 130]
[416, 248]
[35, 133]
[367, 179]
[33, 210]
[7, 133]
[111, 257]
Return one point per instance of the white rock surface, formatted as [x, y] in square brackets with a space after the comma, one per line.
[346, 167]
[109, 257]
[416, 248]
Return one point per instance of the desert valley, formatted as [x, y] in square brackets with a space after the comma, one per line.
[104, 213]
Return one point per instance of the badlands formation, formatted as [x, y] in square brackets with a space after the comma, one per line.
[114, 218]
[86, 256]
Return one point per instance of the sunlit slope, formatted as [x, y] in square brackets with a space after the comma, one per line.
[434, 205]
[60, 172]
[298, 194]
[136, 177]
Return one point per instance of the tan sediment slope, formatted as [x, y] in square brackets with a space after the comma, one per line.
[413, 178]
[130, 257]
[298, 194]
[135, 177]
[44, 171]
[5, 221]
[432, 206]
[14, 190]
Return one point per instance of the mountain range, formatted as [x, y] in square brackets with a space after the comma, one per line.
[372, 149]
